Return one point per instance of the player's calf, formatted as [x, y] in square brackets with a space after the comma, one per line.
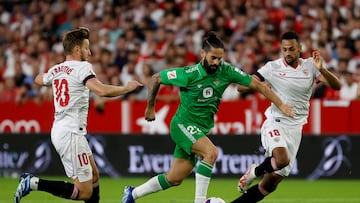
[29, 182]
[61, 189]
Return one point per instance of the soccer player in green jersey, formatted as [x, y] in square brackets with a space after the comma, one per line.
[201, 88]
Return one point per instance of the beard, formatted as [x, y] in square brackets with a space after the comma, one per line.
[290, 61]
[210, 69]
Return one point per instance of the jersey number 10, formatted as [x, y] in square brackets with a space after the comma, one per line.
[274, 133]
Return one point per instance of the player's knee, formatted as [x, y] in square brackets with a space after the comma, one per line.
[211, 155]
[281, 163]
[85, 194]
[281, 157]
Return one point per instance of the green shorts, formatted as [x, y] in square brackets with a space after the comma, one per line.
[185, 135]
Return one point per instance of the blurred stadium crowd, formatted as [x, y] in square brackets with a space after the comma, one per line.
[132, 39]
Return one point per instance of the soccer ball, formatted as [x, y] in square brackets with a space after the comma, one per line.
[214, 200]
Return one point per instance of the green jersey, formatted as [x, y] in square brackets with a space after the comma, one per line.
[200, 92]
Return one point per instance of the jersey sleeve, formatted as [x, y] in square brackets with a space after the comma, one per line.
[240, 77]
[174, 76]
[264, 71]
[86, 73]
[48, 77]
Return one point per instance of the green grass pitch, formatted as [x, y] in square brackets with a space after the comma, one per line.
[289, 191]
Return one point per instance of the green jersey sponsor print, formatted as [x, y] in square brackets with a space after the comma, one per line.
[200, 93]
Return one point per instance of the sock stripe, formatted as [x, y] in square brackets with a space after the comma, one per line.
[204, 169]
[207, 165]
[163, 182]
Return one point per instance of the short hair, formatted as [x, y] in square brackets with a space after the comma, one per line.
[212, 41]
[75, 38]
[290, 35]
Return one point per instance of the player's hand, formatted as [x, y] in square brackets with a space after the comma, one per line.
[149, 114]
[317, 59]
[133, 85]
[288, 110]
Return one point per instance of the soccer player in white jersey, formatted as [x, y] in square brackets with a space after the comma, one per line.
[71, 82]
[292, 79]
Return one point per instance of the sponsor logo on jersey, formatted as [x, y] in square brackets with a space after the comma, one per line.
[282, 74]
[239, 71]
[208, 92]
[171, 75]
[192, 69]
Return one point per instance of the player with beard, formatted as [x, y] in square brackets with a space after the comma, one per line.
[292, 78]
[201, 88]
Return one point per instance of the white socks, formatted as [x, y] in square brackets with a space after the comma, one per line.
[202, 184]
[148, 187]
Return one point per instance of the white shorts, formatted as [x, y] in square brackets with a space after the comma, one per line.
[74, 151]
[275, 134]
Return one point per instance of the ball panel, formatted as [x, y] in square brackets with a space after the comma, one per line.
[214, 200]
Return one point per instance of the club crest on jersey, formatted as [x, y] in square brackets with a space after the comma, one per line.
[171, 75]
[305, 71]
[216, 82]
[87, 173]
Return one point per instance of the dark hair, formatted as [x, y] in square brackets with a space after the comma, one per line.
[290, 35]
[212, 41]
[75, 38]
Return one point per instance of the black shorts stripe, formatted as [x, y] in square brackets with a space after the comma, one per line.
[87, 78]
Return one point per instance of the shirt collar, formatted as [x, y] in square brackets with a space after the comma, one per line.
[287, 65]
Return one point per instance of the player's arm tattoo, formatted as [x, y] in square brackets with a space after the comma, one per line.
[153, 89]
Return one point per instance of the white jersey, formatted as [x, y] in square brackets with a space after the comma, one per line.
[71, 96]
[293, 86]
